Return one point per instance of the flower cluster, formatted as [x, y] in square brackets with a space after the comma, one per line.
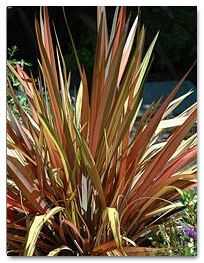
[190, 232]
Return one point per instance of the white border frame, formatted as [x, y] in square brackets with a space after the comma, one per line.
[198, 3]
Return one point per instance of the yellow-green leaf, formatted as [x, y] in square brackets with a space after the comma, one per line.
[165, 209]
[35, 228]
[56, 251]
[79, 105]
[114, 221]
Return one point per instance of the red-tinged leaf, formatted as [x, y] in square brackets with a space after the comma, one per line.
[183, 181]
[51, 135]
[21, 150]
[23, 78]
[179, 163]
[98, 80]
[110, 181]
[126, 53]
[114, 121]
[161, 159]
[143, 139]
[74, 229]
[144, 121]
[143, 251]
[102, 11]
[41, 173]
[126, 50]
[20, 132]
[15, 202]
[124, 127]
[29, 87]
[130, 88]
[192, 177]
[91, 168]
[130, 251]
[103, 248]
[113, 28]
[14, 136]
[20, 175]
[120, 28]
[11, 92]
[107, 97]
[51, 85]
[85, 110]
[11, 216]
[48, 42]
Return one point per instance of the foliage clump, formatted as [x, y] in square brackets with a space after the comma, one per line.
[77, 184]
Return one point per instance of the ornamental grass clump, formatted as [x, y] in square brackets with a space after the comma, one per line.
[77, 183]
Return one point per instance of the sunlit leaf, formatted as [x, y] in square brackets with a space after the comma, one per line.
[35, 228]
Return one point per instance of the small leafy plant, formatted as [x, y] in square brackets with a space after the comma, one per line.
[78, 183]
[19, 91]
[179, 235]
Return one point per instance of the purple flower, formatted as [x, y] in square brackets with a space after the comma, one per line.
[190, 231]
